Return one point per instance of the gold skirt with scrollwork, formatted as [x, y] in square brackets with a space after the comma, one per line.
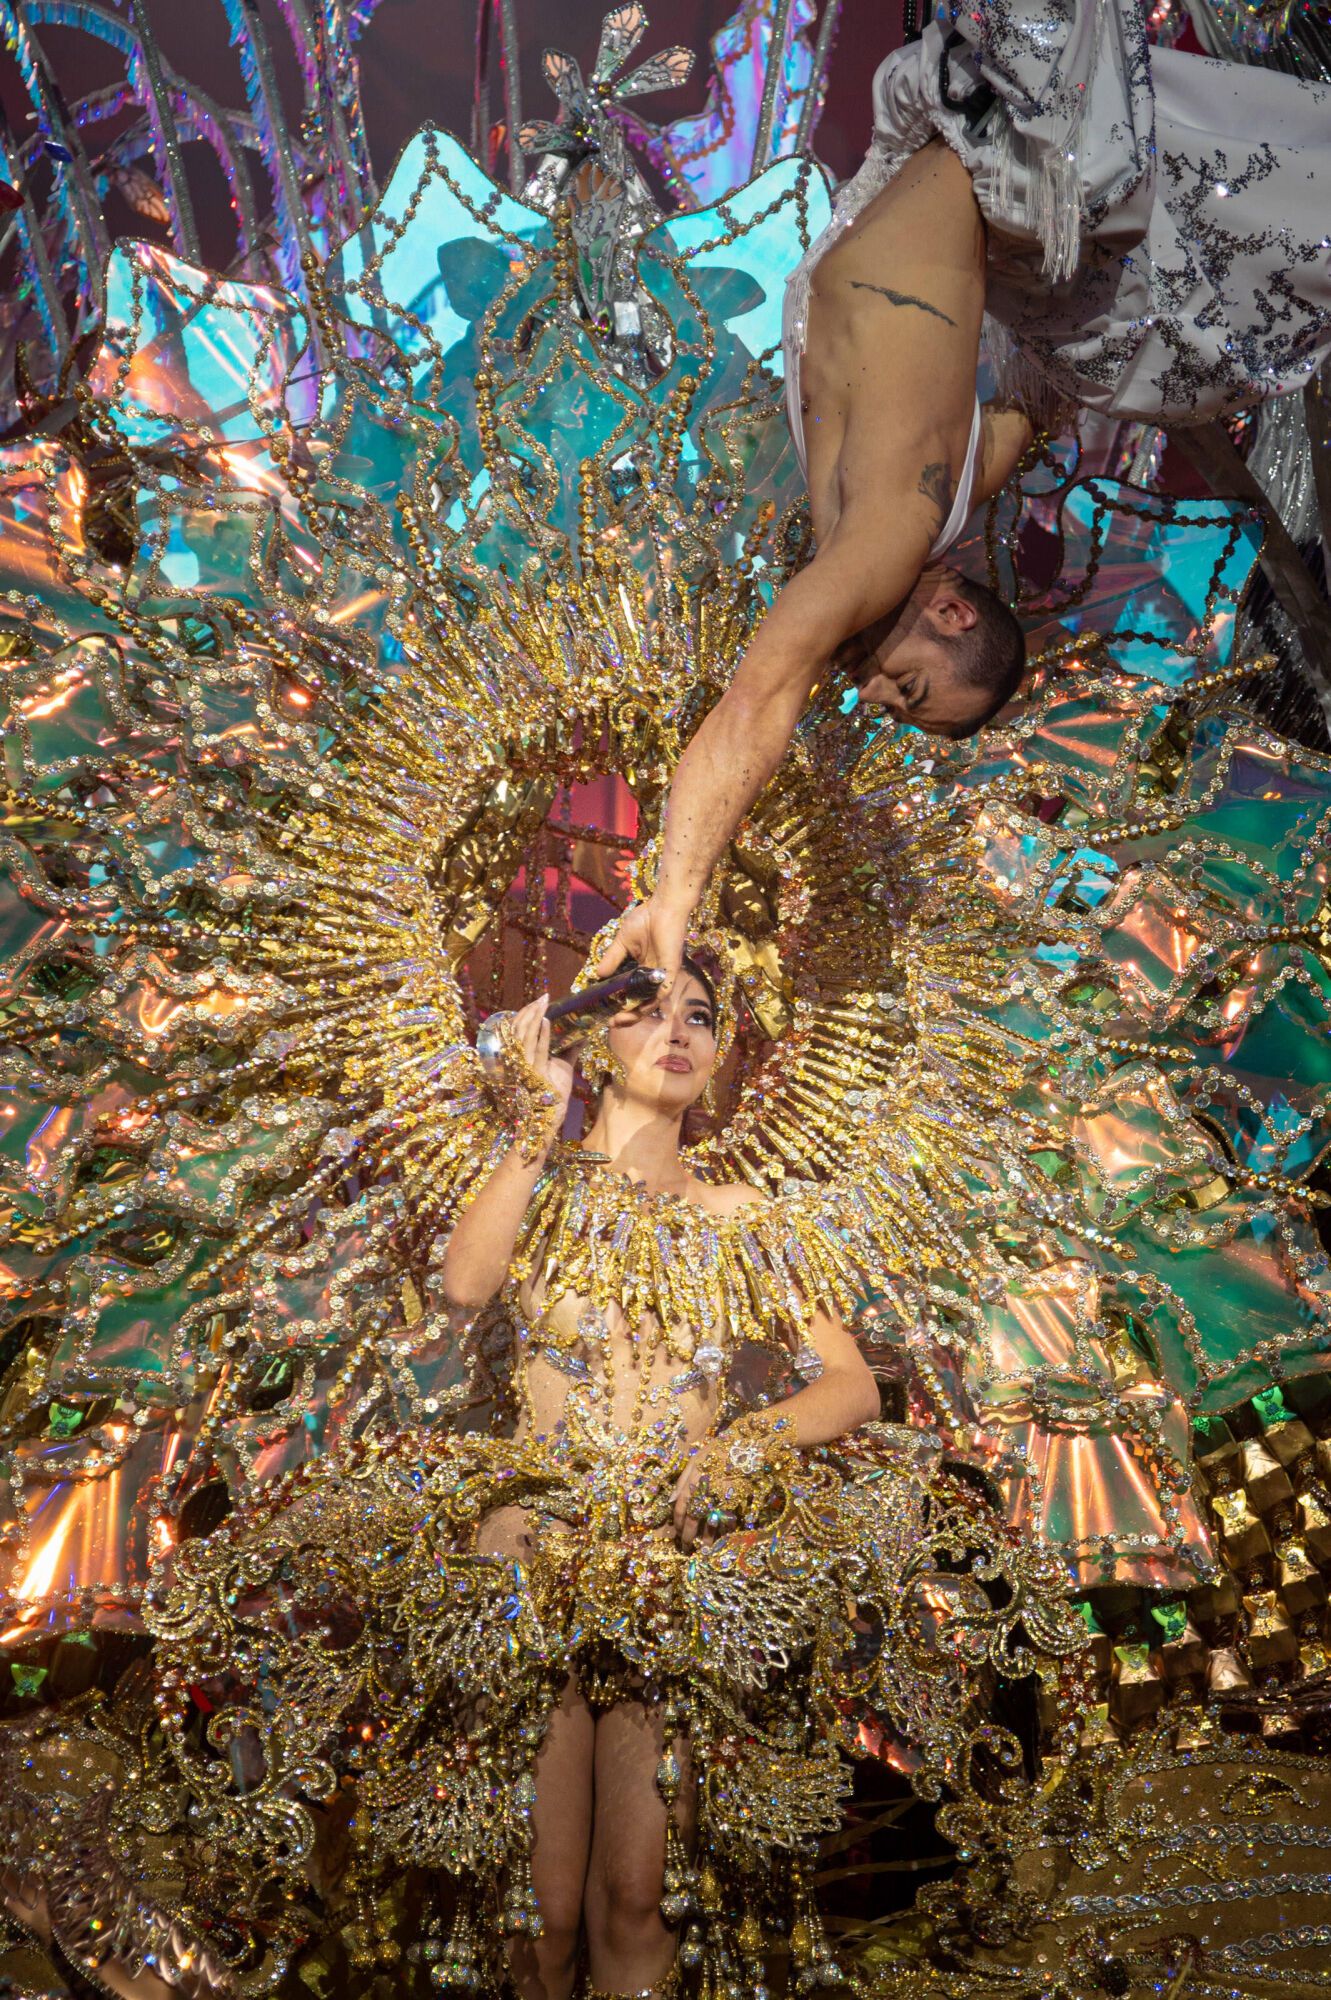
[350, 1628]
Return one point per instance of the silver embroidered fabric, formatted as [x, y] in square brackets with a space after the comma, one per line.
[1159, 224]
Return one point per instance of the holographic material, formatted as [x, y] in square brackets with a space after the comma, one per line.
[763, 100]
[299, 184]
[348, 643]
[1092, 1077]
[294, 186]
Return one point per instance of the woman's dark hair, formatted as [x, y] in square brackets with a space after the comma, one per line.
[704, 978]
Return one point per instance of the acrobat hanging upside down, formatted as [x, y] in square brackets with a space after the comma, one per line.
[1145, 234]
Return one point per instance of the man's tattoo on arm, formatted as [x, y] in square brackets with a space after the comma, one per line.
[901, 299]
[936, 485]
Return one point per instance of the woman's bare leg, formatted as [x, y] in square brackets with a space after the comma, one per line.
[27, 1904]
[630, 1949]
[542, 1968]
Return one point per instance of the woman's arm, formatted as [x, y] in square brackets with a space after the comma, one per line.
[842, 1398]
[480, 1249]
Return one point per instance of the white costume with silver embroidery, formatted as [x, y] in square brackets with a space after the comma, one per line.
[1159, 224]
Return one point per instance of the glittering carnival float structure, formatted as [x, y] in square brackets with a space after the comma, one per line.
[356, 607]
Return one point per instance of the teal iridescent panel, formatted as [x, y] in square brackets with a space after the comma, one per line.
[1155, 580]
[720, 275]
[741, 252]
[196, 353]
[441, 244]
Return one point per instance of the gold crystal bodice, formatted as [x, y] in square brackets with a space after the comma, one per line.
[629, 1307]
[586, 1368]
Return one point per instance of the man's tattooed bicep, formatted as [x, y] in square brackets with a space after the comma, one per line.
[901, 299]
[936, 485]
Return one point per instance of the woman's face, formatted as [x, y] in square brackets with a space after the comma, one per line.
[668, 1050]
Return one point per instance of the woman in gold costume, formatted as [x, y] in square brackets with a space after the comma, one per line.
[650, 1398]
[595, 1669]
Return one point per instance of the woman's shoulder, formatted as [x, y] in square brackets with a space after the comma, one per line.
[730, 1198]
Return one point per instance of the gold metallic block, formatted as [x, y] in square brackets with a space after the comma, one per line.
[1272, 1640]
[1213, 1601]
[1298, 1579]
[1226, 1673]
[1265, 1479]
[1185, 1654]
[1314, 1523]
[1137, 1690]
[1288, 1441]
[1241, 1530]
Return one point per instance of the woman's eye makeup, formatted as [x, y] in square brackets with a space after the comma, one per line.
[697, 1017]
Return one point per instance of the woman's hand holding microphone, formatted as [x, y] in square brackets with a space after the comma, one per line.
[535, 1086]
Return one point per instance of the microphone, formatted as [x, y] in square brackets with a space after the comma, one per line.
[627, 991]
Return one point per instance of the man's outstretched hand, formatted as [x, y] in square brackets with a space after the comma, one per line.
[653, 933]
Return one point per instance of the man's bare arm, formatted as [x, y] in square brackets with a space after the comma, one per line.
[868, 565]
[1006, 434]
